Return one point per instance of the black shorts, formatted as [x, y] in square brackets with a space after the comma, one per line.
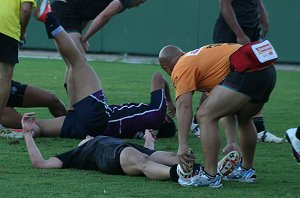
[16, 96]
[116, 168]
[258, 85]
[67, 16]
[223, 34]
[89, 117]
[9, 50]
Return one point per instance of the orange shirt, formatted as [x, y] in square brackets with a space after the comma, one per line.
[202, 69]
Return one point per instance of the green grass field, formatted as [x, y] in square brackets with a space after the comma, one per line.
[278, 174]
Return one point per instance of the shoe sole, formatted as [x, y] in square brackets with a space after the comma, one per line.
[228, 163]
[250, 180]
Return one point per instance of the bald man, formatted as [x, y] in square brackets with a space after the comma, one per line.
[243, 94]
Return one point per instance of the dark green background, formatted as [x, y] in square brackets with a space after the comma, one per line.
[186, 23]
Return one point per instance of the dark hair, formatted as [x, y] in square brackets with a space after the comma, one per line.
[167, 129]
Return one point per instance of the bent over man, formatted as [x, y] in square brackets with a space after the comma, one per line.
[242, 94]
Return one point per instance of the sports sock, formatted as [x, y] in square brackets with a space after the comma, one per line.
[259, 124]
[298, 133]
[53, 26]
[173, 173]
[195, 119]
[66, 87]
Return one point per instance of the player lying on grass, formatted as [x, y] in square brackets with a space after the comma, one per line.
[111, 155]
[24, 96]
[91, 115]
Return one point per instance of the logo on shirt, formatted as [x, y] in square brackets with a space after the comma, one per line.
[194, 52]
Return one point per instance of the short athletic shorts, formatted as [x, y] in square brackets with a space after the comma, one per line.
[89, 117]
[258, 85]
[16, 96]
[67, 16]
[112, 165]
[9, 50]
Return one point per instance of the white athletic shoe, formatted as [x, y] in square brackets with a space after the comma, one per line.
[10, 133]
[195, 129]
[266, 136]
[290, 135]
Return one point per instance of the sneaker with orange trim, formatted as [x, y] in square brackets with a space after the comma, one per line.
[41, 13]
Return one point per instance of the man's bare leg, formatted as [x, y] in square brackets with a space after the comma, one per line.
[80, 71]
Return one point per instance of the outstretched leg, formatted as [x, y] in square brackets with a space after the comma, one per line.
[134, 162]
[82, 79]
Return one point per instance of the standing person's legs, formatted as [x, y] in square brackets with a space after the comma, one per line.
[6, 72]
[229, 123]
[221, 102]
[247, 133]
[8, 59]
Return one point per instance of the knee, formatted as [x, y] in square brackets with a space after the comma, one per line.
[159, 79]
[201, 114]
[143, 160]
[54, 101]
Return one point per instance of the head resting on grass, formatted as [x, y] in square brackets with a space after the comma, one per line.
[167, 129]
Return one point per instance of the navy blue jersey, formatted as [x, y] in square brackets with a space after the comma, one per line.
[127, 119]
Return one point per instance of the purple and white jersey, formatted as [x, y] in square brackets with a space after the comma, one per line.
[128, 119]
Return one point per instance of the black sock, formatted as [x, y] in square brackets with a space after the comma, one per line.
[298, 133]
[66, 87]
[195, 119]
[173, 173]
[53, 26]
[259, 124]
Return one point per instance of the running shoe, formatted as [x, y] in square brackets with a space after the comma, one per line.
[290, 135]
[41, 13]
[242, 175]
[266, 136]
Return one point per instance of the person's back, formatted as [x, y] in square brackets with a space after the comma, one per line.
[239, 22]
[210, 64]
[246, 13]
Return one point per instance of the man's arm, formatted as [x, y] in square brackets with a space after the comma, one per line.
[184, 117]
[263, 18]
[231, 20]
[104, 17]
[170, 103]
[25, 14]
[35, 155]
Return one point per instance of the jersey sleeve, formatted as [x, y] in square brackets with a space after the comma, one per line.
[30, 1]
[65, 158]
